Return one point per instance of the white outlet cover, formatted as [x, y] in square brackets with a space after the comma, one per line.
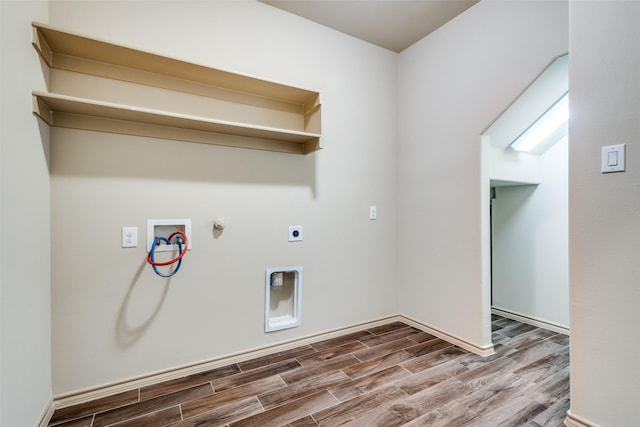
[295, 233]
[373, 212]
[129, 237]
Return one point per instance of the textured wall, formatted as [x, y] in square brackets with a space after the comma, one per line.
[604, 212]
[25, 308]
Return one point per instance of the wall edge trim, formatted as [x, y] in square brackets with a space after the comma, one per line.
[93, 393]
[76, 397]
[573, 420]
[483, 351]
[46, 414]
[531, 320]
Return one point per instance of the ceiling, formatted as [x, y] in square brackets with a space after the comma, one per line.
[391, 24]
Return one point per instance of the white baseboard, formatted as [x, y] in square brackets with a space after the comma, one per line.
[573, 420]
[93, 393]
[86, 395]
[47, 413]
[475, 349]
[530, 320]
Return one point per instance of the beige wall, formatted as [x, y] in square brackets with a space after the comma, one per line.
[113, 319]
[604, 213]
[451, 86]
[25, 325]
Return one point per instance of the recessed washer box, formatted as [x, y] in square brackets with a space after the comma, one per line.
[164, 228]
[283, 299]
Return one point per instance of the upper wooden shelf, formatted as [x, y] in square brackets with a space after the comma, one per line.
[207, 105]
[79, 113]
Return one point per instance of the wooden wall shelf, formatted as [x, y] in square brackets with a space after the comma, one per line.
[99, 86]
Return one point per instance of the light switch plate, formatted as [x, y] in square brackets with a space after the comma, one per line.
[613, 158]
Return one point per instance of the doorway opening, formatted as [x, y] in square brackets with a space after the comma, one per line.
[525, 206]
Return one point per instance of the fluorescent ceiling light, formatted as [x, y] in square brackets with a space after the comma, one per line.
[549, 122]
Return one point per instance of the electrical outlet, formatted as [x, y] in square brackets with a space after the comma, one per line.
[295, 233]
[129, 237]
[373, 212]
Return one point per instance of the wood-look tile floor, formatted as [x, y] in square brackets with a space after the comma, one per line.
[390, 375]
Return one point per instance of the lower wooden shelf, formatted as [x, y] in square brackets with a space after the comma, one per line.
[87, 114]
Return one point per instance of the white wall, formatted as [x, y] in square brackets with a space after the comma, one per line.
[25, 345]
[512, 166]
[530, 243]
[604, 213]
[451, 86]
[113, 319]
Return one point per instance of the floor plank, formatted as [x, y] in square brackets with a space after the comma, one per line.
[358, 407]
[289, 412]
[331, 353]
[301, 389]
[232, 395]
[162, 417]
[172, 386]
[377, 364]
[224, 414]
[148, 406]
[362, 385]
[98, 405]
[253, 375]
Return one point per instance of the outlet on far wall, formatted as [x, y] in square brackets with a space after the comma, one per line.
[129, 237]
[295, 233]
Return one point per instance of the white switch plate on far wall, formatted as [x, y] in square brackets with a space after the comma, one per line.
[613, 158]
